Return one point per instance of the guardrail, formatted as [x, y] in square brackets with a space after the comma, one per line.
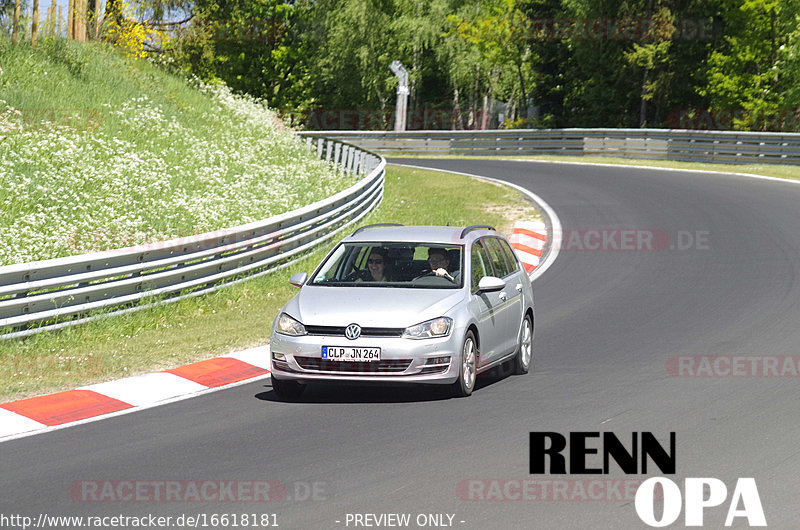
[662, 144]
[59, 292]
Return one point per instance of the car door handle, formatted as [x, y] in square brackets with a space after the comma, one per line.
[519, 287]
[502, 295]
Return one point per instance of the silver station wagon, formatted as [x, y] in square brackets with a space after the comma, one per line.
[395, 304]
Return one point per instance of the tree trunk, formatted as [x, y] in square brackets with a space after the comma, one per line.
[86, 21]
[643, 107]
[91, 16]
[70, 18]
[511, 106]
[416, 59]
[456, 109]
[76, 20]
[473, 104]
[524, 97]
[486, 117]
[382, 102]
[52, 19]
[80, 21]
[35, 23]
[15, 31]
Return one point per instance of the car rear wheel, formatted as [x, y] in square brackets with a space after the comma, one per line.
[467, 362]
[287, 389]
[522, 361]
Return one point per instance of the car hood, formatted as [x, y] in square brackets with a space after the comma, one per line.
[370, 306]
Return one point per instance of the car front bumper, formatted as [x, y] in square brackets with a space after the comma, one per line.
[402, 360]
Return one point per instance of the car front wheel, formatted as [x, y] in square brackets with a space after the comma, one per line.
[522, 361]
[287, 389]
[467, 362]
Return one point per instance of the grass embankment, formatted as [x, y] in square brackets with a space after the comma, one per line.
[768, 170]
[238, 316]
[99, 151]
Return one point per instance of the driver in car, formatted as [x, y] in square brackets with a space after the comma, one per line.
[440, 263]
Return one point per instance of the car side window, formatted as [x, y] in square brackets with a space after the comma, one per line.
[480, 264]
[510, 255]
[501, 268]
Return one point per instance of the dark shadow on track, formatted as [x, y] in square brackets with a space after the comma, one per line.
[329, 393]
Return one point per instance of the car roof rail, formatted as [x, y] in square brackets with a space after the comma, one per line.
[374, 226]
[469, 229]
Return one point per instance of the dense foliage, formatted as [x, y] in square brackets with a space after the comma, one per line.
[541, 63]
[703, 64]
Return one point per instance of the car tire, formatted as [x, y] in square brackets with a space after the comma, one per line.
[524, 356]
[467, 363]
[287, 390]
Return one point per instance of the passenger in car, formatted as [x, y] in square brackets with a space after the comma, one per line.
[379, 267]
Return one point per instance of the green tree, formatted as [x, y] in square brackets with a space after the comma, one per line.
[652, 53]
[755, 69]
[602, 87]
[550, 58]
[419, 27]
[499, 30]
[471, 78]
[351, 63]
[259, 49]
[619, 63]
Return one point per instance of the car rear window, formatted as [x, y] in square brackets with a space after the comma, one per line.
[480, 264]
[500, 264]
[510, 255]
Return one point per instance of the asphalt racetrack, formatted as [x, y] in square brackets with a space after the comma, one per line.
[657, 270]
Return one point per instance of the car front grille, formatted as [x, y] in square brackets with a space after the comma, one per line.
[338, 331]
[392, 366]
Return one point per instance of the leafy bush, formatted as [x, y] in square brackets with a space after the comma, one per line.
[65, 53]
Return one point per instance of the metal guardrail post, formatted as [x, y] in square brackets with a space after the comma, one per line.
[351, 159]
[346, 159]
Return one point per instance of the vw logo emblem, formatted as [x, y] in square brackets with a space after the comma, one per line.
[352, 332]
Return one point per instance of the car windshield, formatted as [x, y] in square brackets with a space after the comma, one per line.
[392, 264]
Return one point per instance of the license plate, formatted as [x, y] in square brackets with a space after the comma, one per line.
[348, 354]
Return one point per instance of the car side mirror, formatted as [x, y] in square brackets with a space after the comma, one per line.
[298, 279]
[490, 284]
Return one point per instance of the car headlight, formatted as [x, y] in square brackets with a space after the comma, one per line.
[438, 327]
[289, 326]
